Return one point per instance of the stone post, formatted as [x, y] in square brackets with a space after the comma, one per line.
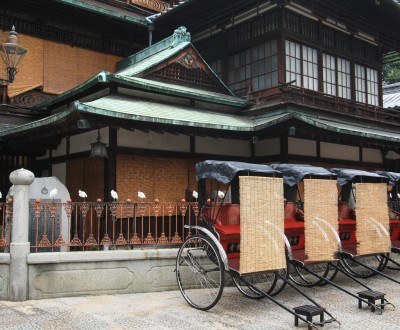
[20, 246]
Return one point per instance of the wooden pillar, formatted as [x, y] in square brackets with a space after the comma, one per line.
[110, 165]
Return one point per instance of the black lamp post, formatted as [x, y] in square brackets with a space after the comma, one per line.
[11, 54]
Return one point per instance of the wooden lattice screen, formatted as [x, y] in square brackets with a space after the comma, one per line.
[320, 219]
[372, 214]
[261, 224]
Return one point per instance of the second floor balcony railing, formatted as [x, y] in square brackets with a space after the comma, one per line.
[322, 102]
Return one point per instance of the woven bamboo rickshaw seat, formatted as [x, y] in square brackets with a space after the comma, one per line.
[320, 220]
[372, 215]
[262, 246]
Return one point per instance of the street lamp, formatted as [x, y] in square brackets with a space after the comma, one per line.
[11, 54]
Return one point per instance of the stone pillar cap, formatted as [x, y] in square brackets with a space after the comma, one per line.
[22, 177]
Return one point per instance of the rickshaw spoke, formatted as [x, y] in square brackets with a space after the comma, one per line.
[199, 272]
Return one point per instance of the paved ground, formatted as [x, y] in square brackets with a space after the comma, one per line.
[168, 310]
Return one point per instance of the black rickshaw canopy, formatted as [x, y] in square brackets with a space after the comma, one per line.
[394, 178]
[294, 173]
[346, 175]
[225, 171]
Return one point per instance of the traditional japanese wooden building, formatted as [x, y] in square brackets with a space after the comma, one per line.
[259, 81]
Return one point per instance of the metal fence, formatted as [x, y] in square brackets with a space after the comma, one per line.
[94, 225]
[5, 224]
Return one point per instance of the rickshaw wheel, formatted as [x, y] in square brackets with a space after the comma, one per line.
[374, 261]
[396, 257]
[200, 272]
[264, 283]
[303, 278]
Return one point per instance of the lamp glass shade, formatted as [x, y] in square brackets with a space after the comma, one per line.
[99, 149]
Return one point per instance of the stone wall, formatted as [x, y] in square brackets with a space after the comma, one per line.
[66, 274]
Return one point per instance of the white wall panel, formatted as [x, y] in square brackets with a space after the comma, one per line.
[302, 147]
[153, 140]
[372, 155]
[61, 149]
[267, 147]
[226, 147]
[339, 151]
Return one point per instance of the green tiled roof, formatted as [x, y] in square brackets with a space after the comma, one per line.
[136, 67]
[171, 45]
[183, 91]
[155, 112]
[143, 110]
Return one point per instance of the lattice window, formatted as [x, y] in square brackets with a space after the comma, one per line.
[177, 71]
[328, 36]
[67, 34]
[366, 85]
[252, 28]
[336, 76]
[216, 66]
[372, 87]
[344, 78]
[309, 28]
[291, 22]
[310, 68]
[343, 41]
[360, 83]
[293, 62]
[302, 65]
[329, 74]
[255, 68]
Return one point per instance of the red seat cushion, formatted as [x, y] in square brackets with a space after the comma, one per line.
[293, 224]
[228, 229]
[347, 222]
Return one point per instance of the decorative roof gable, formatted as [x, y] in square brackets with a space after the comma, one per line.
[173, 60]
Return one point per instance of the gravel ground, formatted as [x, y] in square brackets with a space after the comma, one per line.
[168, 310]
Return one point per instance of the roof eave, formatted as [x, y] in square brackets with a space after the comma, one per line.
[106, 12]
[177, 92]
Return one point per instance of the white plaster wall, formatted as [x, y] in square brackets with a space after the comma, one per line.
[60, 172]
[267, 147]
[81, 142]
[61, 149]
[372, 155]
[338, 151]
[153, 140]
[302, 147]
[227, 147]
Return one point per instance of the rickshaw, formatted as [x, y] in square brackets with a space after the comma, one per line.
[363, 222]
[316, 246]
[251, 247]
[312, 234]
[394, 217]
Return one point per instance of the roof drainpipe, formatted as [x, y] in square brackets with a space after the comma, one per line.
[150, 26]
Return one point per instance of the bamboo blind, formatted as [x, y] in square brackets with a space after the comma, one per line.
[372, 208]
[320, 213]
[261, 224]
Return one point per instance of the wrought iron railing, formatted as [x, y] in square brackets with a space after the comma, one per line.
[6, 209]
[95, 225]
